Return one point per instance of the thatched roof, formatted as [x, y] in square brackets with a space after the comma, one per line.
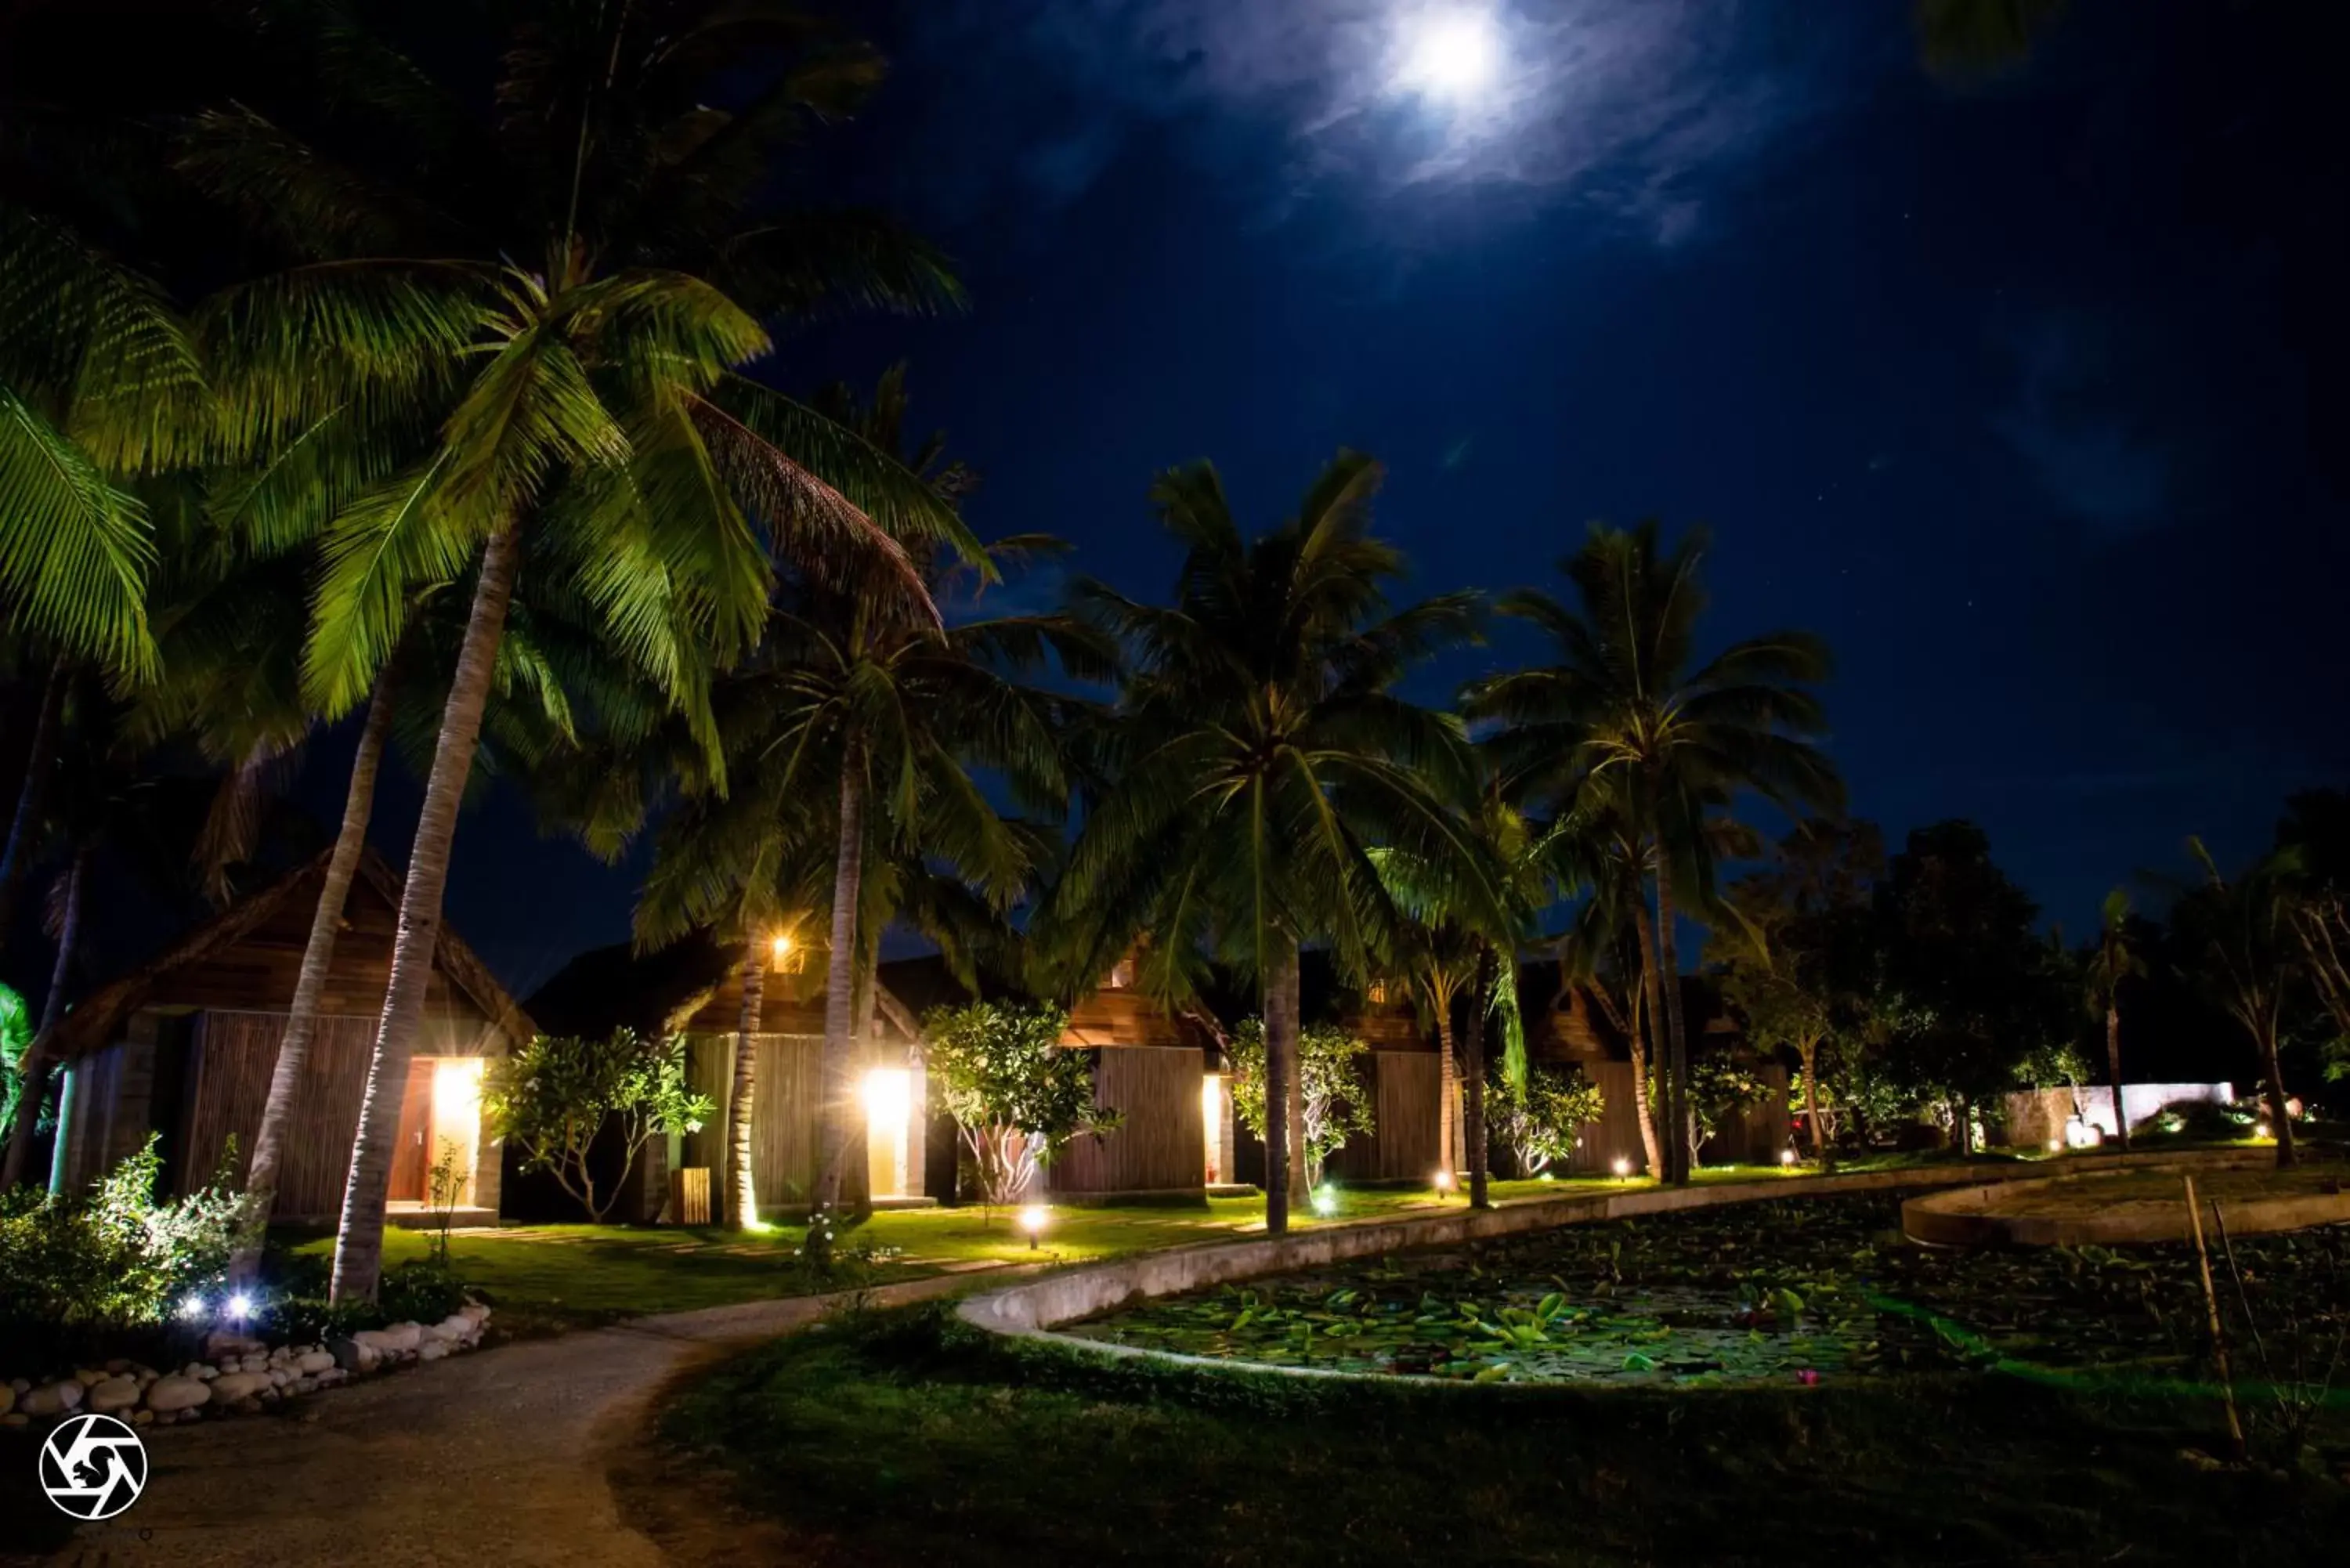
[93, 1021]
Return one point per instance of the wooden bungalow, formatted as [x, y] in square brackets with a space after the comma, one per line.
[1162, 1075]
[183, 1046]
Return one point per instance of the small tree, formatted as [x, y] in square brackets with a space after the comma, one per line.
[552, 1097]
[1720, 1088]
[1016, 1097]
[1542, 1125]
[1329, 1071]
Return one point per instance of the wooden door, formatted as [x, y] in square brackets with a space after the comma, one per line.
[411, 1161]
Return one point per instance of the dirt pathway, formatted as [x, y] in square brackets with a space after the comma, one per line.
[503, 1456]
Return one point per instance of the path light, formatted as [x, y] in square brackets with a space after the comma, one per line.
[193, 1307]
[1326, 1200]
[2261, 1130]
[240, 1307]
[1033, 1219]
[1786, 1157]
[2056, 1146]
[1444, 1182]
[1623, 1168]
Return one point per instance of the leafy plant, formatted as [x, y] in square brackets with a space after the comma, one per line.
[16, 1038]
[1329, 1070]
[1015, 1095]
[553, 1096]
[1541, 1125]
[113, 1258]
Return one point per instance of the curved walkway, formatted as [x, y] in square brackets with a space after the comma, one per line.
[510, 1455]
[503, 1456]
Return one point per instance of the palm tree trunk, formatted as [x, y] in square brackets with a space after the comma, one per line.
[2278, 1120]
[840, 977]
[742, 1179]
[1281, 1128]
[1448, 1090]
[2114, 1067]
[1650, 1143]
[1472, 1069]
[36, 1068]
[310, 986]
[359, 1238]
[1809, 1051]
[38, 767]
[1677, 1104]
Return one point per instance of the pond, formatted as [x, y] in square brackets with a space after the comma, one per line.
[1799, 1289]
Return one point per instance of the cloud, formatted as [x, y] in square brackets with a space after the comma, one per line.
[2065, 424]
[1627, 106]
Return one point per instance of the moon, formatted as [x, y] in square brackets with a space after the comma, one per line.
[1450, 54]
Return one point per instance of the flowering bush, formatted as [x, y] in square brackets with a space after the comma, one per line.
[1329, 1070]
[1541, 1125]
[1015, 1095]
[553, 1096]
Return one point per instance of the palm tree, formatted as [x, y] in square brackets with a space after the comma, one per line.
[1260, 755]
[1624, 700]
[569, 285]
[2113, 962]
[2242, 935]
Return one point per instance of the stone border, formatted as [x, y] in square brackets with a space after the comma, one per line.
[1034, 1308]
[1967, 1217]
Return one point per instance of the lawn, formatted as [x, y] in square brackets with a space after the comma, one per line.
[908, 1437]
[557, 1276]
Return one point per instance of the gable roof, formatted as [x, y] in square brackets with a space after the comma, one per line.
[91, 1023]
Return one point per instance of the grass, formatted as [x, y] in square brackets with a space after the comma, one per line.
[546, 1278]
[550, 1277]
[908, 1437]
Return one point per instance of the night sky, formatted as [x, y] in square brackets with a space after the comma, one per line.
[2010, 388]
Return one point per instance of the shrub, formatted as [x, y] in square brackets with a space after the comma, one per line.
[1330, 1071]
[1543, 1126]
[1015, 1095]
[76, 1268]
[552, 1097]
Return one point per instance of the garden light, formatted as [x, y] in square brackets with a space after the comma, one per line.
[193, 1307]
[2056, 1146]
[1786, 1157]
[782, 947]
[240, 1307]
[1033, 1219]
[1326, 1200]
[1623, 1168]
[1444, 1182]
[2261, 1130]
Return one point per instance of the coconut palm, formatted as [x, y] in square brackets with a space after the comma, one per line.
[2247, 955]
[571, 283]
[2112, 961]
[1259, 756]
[1628, 698]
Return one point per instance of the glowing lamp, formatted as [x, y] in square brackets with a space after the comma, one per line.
[239, 1308]
[2261, 1130]
[1444, 1182]
[1326, 1200]
[1786, 1157]
[1548, 1175]
[781, 946]
[1033, 1219]
[193, 1307]
[1623, 1167]
[2056, 1146]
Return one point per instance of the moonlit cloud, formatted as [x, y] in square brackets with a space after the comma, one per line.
[1625, 105]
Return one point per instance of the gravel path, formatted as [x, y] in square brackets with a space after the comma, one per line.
[503, 1456]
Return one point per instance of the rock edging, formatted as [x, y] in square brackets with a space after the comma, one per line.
[239, 1374]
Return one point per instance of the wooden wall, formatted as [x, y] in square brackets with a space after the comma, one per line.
[232, 1057]
[1757, 1134]
[786, 1126]
[1402, 1144]
[1161, 1144]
